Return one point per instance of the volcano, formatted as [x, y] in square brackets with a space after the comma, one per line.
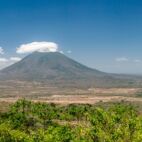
[58, 69]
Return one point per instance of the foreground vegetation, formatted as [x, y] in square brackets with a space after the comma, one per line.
[26, 121]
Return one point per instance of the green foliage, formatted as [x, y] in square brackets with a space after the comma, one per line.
[7, 134]
[40, 122]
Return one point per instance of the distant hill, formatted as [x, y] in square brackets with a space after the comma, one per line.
[56, 68]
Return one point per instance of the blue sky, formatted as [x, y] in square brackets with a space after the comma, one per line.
[102, 34]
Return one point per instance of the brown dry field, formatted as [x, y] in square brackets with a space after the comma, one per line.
[61, 99]
[12, 91]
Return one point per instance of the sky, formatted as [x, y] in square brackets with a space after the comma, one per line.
[102, 34]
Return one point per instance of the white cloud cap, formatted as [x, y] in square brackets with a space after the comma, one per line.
[1, 50]
[122, 59]
[15, 59]
[37, 46]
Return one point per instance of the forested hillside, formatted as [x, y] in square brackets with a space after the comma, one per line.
[26, 121]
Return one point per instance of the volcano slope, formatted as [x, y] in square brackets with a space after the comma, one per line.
[56, 69]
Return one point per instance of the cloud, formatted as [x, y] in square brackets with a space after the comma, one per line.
[69, 51]
[122, 59]
[1, 50]
[3, 63]
[15, 59]
[62, 52]
[137, 61]
[37, 46]
[3, 60]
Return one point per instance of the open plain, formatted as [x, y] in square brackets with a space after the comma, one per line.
[11, 91]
